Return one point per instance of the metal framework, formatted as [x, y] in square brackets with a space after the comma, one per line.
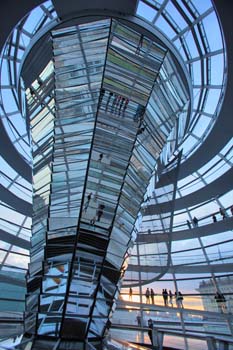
[200, 255]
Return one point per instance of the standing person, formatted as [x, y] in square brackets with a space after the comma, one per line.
[222, 212]
[130, 293]
[176, 298]
[195, 221]
[92, 221]
[170, 298]
[138, 318]
[147, 294]
[188, 223]
[100, 211]
[126, 104]
[231, 209]
[100, 157]
[214, 218]
[108, 100]
[221, 302]
[218, 301]
[150, 326]
[165, 296]
[88, 201]
[180, 298]
[152, 294]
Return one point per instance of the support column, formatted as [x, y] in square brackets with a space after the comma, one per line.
[223, 345]
[157, 339]
[211, 343]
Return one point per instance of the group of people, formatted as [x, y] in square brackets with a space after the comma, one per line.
[115, 101]
[99, 211]
[99, 214]
[168, 297]
[150, 294]
[194, 222]
[222, 212]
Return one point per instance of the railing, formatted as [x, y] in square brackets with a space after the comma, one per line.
[200, 302]
[196, 329]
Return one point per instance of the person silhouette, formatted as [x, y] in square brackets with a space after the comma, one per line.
[100, 211]
[150, 326]
[130, 293]
[88, 201]
[100, 157]
[152, 294]
[147, 294]
[165, 296]
[195, 221]
[170, 298]
[222, 211]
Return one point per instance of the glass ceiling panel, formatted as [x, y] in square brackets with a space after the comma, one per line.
[217, 74]
[201, 6]
[202, 121]
[175, 15]
[193, 50]
[214, 41]
[211, 102]
[146, 11]
[188, 41]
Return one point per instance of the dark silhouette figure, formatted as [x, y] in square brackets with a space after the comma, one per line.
[140, 43]
[214, 218]
[88, 201]
[179, 299]
[130, 293]
[121, 104]
[177, 304]
[221, 302]
[165, 297]
[100, 157]
[119, 97]
[180, 296]
[114, 102]
[92, 221]
[126, 104]
[109, 99]
[147, 294]
[195, 221]
[170, 298]
[140, 130]
[139, 113]
[188, 223]
[152, 295]
[150, 325]
[222, 211]
[231, 209]
[102, 92]
[100, 211]
[139, 319]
